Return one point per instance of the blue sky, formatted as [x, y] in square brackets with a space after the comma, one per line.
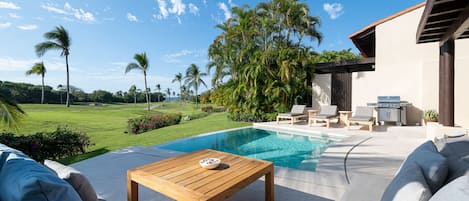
[174, 33]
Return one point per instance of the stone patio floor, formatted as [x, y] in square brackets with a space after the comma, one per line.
[378, 153]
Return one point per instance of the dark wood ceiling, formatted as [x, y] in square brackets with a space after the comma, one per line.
[347, 66]
[443, 20]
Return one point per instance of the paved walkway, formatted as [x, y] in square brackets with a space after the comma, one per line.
[379, 153]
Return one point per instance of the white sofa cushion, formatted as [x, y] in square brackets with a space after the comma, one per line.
[408, 185]
[79, 182]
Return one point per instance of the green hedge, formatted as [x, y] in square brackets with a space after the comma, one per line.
[151, 122]
[57, 144]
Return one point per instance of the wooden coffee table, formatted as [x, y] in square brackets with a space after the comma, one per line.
[182, 178]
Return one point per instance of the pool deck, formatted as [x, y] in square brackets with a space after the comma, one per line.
[378, 153]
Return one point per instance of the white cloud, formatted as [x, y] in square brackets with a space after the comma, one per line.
[9, 5]
[14, 16]
[204, 1]
[163, 9]
[178, 7]
[68, 10]
[193, 9]
[334, 10]
[28, 27]
[131, 17]
[177, 57]
[5, 25]
[8, 64]
[230, 2]
[225, 10]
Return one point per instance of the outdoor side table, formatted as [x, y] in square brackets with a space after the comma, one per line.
[182, 178]
[344, 116]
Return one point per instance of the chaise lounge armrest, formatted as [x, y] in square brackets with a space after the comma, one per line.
[365, 187]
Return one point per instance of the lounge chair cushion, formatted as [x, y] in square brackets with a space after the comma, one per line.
[363, 111]
[434, 166]
[79, 182]
[298, 109]
[454, 191]
[290, 114]
[24, 179]
[361, 118]
[323, 116]
[409, 184]
[328, 110]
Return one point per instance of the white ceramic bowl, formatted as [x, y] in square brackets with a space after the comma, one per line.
[210, 163]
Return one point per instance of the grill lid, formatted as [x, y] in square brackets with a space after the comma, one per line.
[389, 99]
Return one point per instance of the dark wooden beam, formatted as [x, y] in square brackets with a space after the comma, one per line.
[446, 84]
[458, 27]
[424, 18]
[446, 12]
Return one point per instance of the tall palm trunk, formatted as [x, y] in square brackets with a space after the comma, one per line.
[180, 93]
[146, 91]
[68, 80]
[42, 97]
[196, 102]
[135, 97]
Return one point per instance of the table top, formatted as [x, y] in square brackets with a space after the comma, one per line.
[182, 178]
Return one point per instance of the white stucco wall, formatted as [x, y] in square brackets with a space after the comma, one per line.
[321, 90]
[410, 70]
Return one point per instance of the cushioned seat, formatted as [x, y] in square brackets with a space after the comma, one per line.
[360, 118]
[23, 179]
[362, 115]
[297, 111]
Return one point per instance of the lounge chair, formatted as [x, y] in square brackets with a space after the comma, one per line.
[297, 111]
[326, 113]
[362, 115]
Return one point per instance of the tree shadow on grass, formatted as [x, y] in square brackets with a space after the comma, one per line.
[87, 155]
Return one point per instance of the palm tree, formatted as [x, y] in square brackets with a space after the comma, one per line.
[194, 79]
[143, 66]
[168, 91]
[10, 113]
[39, 69]
[133, 90]
[158, 88]
[178, 78]
[58, 39]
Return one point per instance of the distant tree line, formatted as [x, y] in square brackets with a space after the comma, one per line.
[29, 93]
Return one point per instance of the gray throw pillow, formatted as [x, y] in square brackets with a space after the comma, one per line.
[408, 185]
[457, 190]
[79, 182]
[434, 166]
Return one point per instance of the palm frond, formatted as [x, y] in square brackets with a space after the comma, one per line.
[43, 47]
[142, 60]
[10, 113]
[132, 66]
[38, 69]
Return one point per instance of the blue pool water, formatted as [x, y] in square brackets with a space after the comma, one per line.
[283, 149]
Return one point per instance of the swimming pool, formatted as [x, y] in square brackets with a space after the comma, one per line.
[284, 149]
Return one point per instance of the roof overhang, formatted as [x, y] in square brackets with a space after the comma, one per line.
[347, 66]
[443, 20]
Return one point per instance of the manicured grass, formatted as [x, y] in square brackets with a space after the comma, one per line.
[106, 124]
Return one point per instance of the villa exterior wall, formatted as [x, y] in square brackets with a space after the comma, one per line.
[321, 90]
[410, 70]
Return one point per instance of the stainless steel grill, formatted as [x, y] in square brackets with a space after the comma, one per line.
[391, 109]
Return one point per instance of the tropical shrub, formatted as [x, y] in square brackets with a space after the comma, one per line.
[57, 144]
[151, 122]
[263, 58]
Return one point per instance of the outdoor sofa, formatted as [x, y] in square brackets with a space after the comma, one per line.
[326, 113]
[23, 179]
[297, 112]
[435, 173]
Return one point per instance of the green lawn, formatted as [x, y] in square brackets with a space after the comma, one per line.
[106, 124]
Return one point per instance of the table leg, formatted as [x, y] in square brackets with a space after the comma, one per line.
[269, 186]
[132, 189]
